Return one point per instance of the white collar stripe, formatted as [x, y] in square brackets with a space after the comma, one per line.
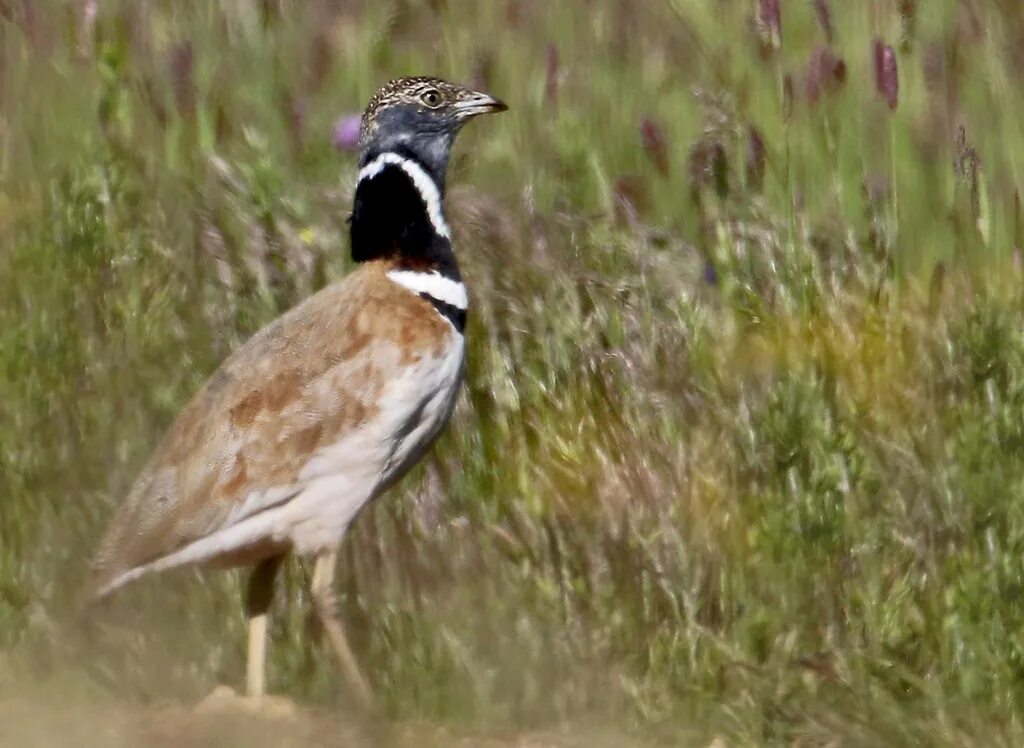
[421, 181]
[434, 285]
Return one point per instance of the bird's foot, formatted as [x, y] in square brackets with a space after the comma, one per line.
[226, 699]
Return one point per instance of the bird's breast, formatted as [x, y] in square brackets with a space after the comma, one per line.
[413, 407]
[414, 403]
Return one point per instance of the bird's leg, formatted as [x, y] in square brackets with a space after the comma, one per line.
[257, 601]
[322, 589]
[224, 699]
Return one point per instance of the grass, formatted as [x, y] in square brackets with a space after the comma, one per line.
[740, 451]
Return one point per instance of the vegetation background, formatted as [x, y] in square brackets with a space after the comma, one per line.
[742, 448]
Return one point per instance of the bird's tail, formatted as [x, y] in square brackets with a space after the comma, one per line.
[98, 585]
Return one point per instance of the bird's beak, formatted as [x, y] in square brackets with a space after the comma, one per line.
[478, 103]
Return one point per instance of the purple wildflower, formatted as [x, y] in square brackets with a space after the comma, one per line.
[345, 134]
[710, 273]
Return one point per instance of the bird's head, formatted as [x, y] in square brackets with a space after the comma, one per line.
[420, 116]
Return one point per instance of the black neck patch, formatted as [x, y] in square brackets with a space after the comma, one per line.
[390, 220]
[450, 312]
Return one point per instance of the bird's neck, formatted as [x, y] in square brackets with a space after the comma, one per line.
[398, 216]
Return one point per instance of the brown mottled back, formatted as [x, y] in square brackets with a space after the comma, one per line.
[296, 386]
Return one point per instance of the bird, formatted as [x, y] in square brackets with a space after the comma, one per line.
[325, 408]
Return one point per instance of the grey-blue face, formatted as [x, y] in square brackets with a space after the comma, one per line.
[420, 116]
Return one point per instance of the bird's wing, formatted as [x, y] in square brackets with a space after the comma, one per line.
[240, 444]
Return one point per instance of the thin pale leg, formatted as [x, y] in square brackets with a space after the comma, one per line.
[255, 666]
[322, 590]
[257, 602]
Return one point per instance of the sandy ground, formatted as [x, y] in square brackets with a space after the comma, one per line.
[27, 722]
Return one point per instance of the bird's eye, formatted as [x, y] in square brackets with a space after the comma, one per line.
[431, 98]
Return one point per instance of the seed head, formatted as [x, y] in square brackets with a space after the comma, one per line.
[709, 167]
[787, 96]
[756, 157]
[181, 61]
[824, 15]
[887, 78]
[653, 140]
[770, 23]
[825, 72]
[551, 79]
